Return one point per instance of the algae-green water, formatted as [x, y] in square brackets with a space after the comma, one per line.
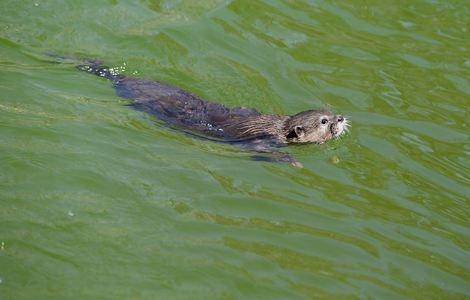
[99, 201]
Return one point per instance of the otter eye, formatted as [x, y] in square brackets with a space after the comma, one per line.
[324, 121]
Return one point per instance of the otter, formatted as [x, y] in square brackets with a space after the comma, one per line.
[245, 126]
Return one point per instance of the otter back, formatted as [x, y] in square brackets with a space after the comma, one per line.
[179, 107]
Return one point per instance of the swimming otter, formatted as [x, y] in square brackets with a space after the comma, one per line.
[247, 126]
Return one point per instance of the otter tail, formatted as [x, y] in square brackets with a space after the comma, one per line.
[91, 66]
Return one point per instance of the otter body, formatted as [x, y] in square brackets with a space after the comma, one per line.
[184, 109]
[258, 131]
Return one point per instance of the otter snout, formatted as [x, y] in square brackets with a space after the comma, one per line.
[340, 126]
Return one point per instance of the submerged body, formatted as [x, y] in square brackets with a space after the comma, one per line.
[258, 131]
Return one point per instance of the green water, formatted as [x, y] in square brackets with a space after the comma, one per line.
[98, 201]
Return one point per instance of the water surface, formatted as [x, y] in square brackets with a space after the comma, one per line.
[100, 201]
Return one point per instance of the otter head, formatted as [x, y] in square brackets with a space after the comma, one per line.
[314, 126]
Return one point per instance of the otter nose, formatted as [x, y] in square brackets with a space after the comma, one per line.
[340, 119]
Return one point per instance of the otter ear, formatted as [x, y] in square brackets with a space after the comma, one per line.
[297, 132]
